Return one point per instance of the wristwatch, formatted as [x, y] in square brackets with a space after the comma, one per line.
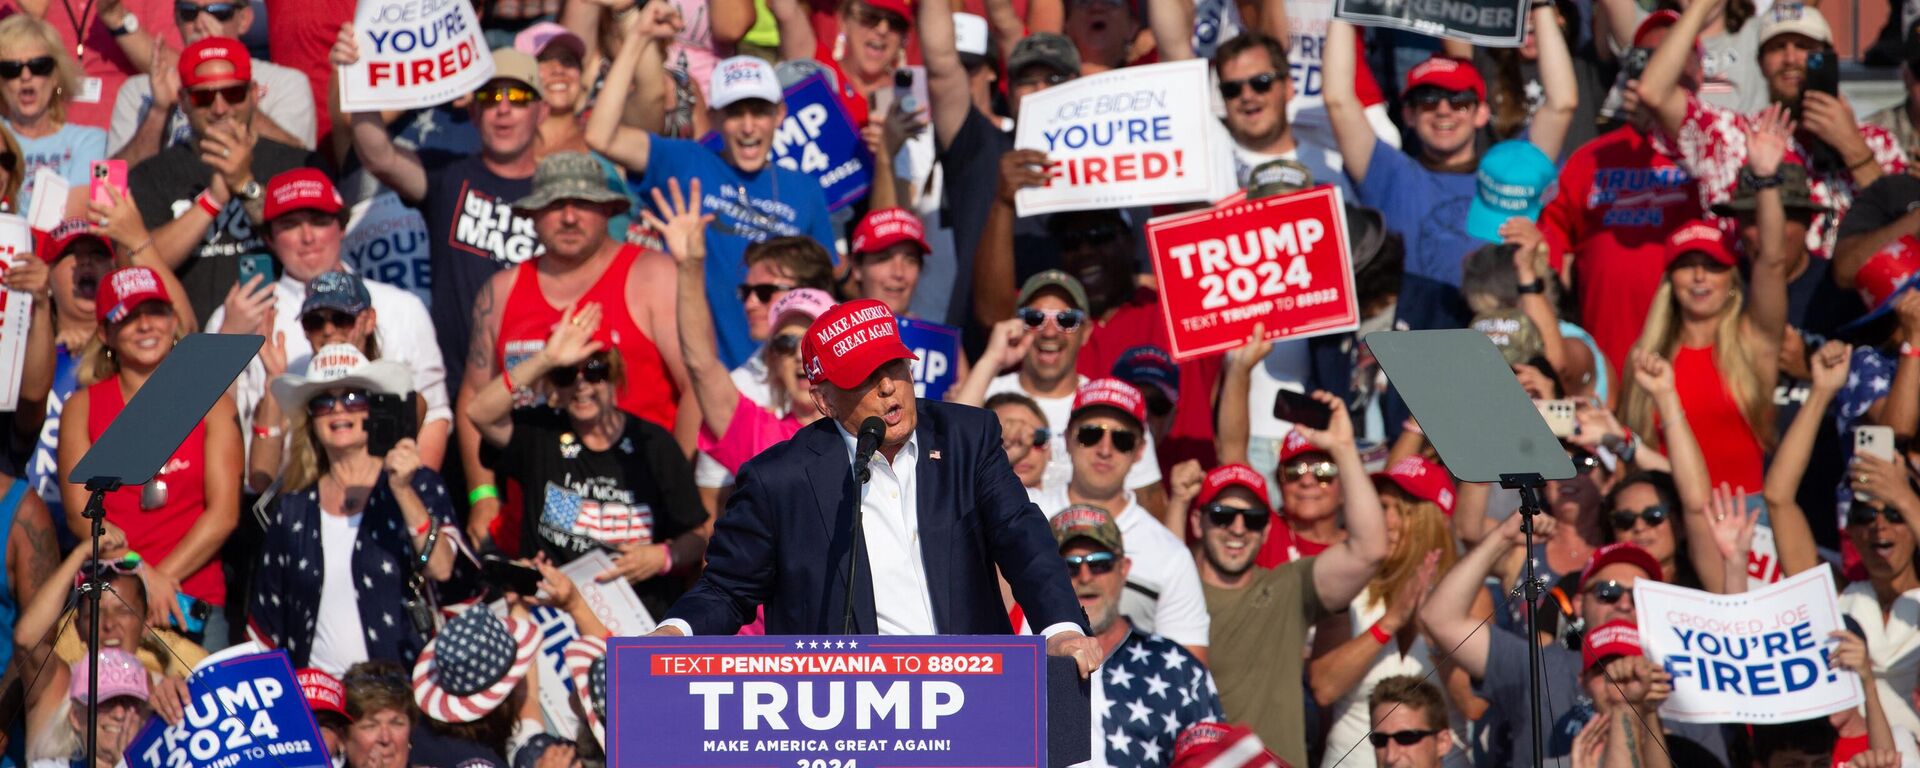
[1758, 182]
[1539, 285]
[251, 191]
[127, 27]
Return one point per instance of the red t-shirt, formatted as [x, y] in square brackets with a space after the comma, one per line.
[853, 100]
[1620, 196]
[1139, 323]
[1734, 456]
[1283, 547]
[301, 35]
[180, 487]
[78, 22]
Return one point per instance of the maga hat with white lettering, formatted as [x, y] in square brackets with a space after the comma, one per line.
[468, 670]
[848, 343]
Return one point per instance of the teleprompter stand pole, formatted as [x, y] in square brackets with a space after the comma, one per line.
[1532, 488]
[96, 514]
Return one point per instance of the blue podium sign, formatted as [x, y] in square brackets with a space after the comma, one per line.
[827, 702]
[938, 347]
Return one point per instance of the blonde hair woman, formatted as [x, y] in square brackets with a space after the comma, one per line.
[1383, 637]
[38, 79]
[1723, 347]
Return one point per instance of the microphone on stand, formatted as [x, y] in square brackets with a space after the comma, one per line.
[872, 431]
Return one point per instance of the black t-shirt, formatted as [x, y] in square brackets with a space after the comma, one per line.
[164, 187]
[1817, 307]
[1886, 199]
[473, 232]
[577, 499]
[434, 750]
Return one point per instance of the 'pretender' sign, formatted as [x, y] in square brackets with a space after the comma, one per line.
[1755, 657]
[1281, 261]
[833, 701]
[246, 710]
[414, 53]
[1139, 136]
[1492, 23]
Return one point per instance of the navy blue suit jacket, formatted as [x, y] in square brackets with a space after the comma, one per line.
[784, 539]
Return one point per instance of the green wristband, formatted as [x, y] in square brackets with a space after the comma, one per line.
[482, 493]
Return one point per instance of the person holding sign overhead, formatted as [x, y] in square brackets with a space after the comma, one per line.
[751, 198]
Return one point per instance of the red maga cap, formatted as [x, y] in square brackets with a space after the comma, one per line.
[1295, 446]
[896, 6]
[53, 245]
[1619, 637]
[1111, 393]
[887, 227]
[848, 343]
[1699, 236]
[1888, 272]
[212, 49]
[1227, 476]
[1654, 22]
[1423, 479]
[323, 692]
[1447, 73]
[1620, 552]
[301, 189]
[125, 289]
[1207, 744]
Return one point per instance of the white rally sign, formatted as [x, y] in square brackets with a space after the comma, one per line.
[414, 54]
[1755, 657]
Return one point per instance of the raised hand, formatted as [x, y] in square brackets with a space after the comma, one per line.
[1339, 432]
[401, 463]
[346, 48]
[249, 307]
[1009, 344]
[572, 340]
[119, 221]
[1405, 602]
[1652, 372]
[685, 228]
[1882, 481]
[1767, 138]
[1183, 483]
[1248, 355]
[1511, 532]
[1731, 521]
[1020, 169]
[1521, 231]
[1830, 364]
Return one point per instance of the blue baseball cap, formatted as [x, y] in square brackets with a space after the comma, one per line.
[1515, 179]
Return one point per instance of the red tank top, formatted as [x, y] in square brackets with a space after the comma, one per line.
[155, 532]
[529, 319]
[1733, 454]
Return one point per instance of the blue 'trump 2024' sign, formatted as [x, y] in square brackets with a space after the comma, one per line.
[851, 702]
[242, 711]
[818, 139]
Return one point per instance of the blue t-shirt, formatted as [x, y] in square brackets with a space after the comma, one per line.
[70, 152]
[1429, 210]
[747, 208]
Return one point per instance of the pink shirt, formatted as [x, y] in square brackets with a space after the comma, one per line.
[752, 430]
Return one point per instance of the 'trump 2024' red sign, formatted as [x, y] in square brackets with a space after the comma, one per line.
[1281, 261]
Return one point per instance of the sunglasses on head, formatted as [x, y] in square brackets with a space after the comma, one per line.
[318, 320]
[1260, 83]
[1609, 592]
[762, 291]
[1430, 98]
[1064, 319]
[38, 66]
[1402, 738]
[233, 94]
[1623, 519]
[512, 94]
[870, 18]
[351, 401]
[1089, 435]
[595, 370]
[1100, 563]
[786, 343]
[1863, 514]
[1323, 471]
[1222, 516]
[106, 570]
[186, 12]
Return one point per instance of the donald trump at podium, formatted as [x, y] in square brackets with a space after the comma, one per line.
[941, 509]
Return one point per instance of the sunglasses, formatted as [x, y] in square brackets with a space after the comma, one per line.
[1323, 471]
[186, 12]
[762, 291]
[1623, 519]
[1064, 319]
[1089, 435]
[233, 94]
[1260, 83]
[106, 570]
[1863, 514]
[1092, 236]
[595, 370]
[38, 66]
[870, 18]
[1430, 98]
[1402, 738]
[511, 94]
[1222, 516]
[318, 320]
[351, 401]
[787, 343]
[1609, 592]
[1047, 80]
[1100, 563]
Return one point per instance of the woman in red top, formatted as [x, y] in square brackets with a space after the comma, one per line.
[177, 521]
[1724, 347]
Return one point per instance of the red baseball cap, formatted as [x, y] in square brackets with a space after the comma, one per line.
[1446, 73]
[848, 343]
[894, 6]
[1619, 637]
[1111, 393]
[324, 692]
[1699, 236]
[887, 227]
[1654, 22]
[212, 49]
[1295, 446]
[1893, 269]
[1621, 552]
[1227, 476]
[125, 289]
[54, 244]
[301, 189]
[1423, 479]
[1206, 744]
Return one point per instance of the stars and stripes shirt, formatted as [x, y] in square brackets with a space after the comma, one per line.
[1869, 381]
[1148, 691]
[284, 611]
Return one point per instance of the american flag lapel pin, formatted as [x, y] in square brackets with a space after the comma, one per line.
[933, 455]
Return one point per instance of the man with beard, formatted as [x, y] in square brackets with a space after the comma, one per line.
[1261, 616]
[1148, 689]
